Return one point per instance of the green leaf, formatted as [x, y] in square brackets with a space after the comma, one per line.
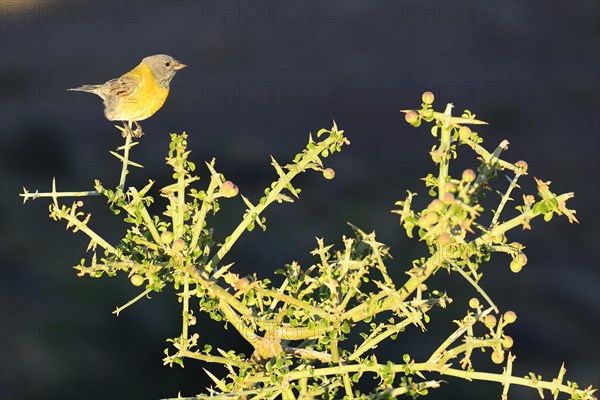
[321, 132]
[345, 327]
[539, 208]
[409, 226]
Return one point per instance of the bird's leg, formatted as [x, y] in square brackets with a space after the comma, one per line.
[138, 130]
[126, 130]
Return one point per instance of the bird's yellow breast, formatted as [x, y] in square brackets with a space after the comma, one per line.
[147, 98]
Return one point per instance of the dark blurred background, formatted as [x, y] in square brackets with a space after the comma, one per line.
[261, 76]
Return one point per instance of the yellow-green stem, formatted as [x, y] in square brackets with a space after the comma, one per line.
[130, 302]
[372, 342]
[201, 216]
[180, 209]
[185, 312]
[359, 312]
[443, 150]
[504, 200]
[150, 224]
[425, 367]
[33, 196]
[125, 161]
[85, 229]
[252, 215]
[213, 359]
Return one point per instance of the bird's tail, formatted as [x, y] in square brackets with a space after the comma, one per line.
[87, 88]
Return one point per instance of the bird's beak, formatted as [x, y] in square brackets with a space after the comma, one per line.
[179, 66]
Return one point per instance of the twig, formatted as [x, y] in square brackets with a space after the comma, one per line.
[505, 198]
[130, 302]
[125, 159]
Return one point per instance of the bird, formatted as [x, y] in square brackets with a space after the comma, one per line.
[138, 94]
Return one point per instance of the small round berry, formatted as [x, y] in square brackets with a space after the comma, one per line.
[178, 245]
[243, 283]
[411, 117]
[515, 266]
[507, 342]
[166, 237]
[448, 198]
[229, 189]
[518, 262]
[79, 203]
[498, 356]
[522, 258]
[428, 98]
[464, 133]
[521, 165]
[489, 321]
[444, 239]
[136, 280]
[468, 175]
[497, 238]
[474, 302]
[510, 317]
[328, 173]
[428, 219]
[449, 187]
[436, 206]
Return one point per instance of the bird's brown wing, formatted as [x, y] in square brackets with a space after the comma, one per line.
[123, 87]
[116, 93]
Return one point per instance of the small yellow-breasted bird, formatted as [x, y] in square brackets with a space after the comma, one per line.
[139, 93]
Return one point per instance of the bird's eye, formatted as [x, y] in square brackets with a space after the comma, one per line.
[168, 64]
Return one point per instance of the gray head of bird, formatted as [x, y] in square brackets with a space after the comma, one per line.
[163, 67]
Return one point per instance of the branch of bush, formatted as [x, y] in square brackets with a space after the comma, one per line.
[300, 328]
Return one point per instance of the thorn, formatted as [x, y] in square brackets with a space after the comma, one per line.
[120, 128]
[125, 145]
[54, 197]
[448, 110]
